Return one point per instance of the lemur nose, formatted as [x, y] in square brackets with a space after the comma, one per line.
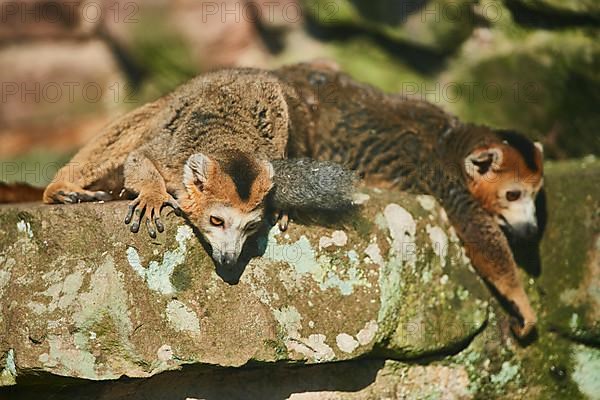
[527, 231]
[228, 259]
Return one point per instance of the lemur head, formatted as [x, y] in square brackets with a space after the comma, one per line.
[226, 200]
[506, 176]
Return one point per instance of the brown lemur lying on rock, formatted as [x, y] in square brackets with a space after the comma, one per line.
[485, 179]
[215, 149]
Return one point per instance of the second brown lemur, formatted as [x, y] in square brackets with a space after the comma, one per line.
[486, 179]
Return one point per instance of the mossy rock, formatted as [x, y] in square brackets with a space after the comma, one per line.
[362, 57]
[565, 7]
[562, 361]
[96, 312]
[97, 302]
[439, 25]
[570, 276]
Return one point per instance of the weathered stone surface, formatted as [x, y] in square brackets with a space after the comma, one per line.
[47, 19]
[84, 298]
[360, 380]
[570, 278]
[375, 65]
[72, 72]
[279, 14]
[563, 361]
[217, 33]
[97, 302]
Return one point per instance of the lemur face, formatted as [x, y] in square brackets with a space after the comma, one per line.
[226, 201]
[226, 229]
[506, 179]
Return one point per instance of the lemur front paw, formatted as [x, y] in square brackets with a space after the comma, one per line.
[147, 207]
[69, 193]
[525, 324]
[522, 329]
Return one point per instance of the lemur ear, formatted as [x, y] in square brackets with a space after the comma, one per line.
[269, 168]
[480, 162]
[270, 171]
[539, 146]
[196, 170]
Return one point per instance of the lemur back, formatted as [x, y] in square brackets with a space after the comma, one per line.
[231, 109]
[384, 137]
[391, 141]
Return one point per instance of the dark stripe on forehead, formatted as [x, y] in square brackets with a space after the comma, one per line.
[243, 172]
[523, 145]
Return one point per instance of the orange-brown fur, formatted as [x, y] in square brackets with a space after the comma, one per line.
[408, 143]
[221, 189]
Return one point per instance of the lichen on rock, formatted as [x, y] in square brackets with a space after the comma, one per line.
[393, 283]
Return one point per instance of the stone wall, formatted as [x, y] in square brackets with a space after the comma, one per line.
[382, 305]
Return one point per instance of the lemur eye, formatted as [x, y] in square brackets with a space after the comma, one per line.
[216, 221]
[252, 226]
[513, 195]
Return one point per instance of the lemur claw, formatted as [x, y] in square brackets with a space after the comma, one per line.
[65, 197]
[129, 215]
[135, 227]
[151, 230]
[283, 221]
[159, 224]
[174, 205]
[147, 209]
[70, 193]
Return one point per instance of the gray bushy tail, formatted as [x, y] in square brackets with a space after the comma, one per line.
[302, 184]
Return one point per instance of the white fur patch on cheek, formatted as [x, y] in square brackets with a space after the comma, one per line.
[520, 212]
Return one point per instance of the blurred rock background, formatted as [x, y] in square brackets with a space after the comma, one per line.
[69, 67]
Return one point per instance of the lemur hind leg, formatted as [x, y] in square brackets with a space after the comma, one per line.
[70, 185]
[490, 254]
[142, 177]
[66, 192]
[100, 159]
